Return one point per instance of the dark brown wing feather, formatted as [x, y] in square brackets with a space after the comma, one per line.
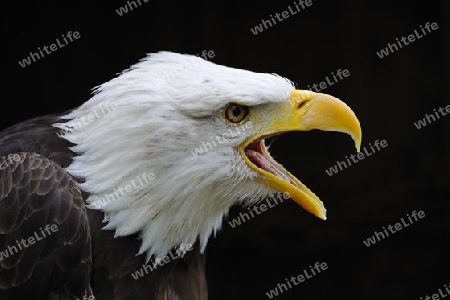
[45, 244]
[37, 136]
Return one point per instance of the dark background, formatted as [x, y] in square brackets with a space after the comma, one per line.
[388, 95]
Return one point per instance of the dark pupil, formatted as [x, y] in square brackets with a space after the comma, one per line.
[236, 111]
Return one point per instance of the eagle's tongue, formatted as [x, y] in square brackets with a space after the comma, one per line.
[266, 164]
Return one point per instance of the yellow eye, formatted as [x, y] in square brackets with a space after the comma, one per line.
[236, 113]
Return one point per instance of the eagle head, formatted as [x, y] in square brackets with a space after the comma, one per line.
[199, 129]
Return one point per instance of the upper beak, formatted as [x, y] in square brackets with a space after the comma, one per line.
[305, 111]
[324, 112]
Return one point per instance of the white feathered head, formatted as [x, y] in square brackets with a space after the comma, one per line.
[168, 146]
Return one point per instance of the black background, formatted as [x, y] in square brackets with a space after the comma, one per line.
[388, 95]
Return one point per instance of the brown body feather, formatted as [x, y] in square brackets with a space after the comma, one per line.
[79, 258]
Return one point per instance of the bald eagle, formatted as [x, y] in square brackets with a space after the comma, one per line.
[89, 196]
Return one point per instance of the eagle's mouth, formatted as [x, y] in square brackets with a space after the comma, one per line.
[257, 153]
[305, 111]
[275, 175]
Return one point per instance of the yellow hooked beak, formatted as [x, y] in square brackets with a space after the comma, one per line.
[305, 111]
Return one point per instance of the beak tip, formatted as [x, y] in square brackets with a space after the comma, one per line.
[358, 146]
[322, 214]
[357, 137]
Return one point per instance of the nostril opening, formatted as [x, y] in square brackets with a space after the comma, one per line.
[301, 104]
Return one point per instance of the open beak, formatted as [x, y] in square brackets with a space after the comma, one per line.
[305, 111]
